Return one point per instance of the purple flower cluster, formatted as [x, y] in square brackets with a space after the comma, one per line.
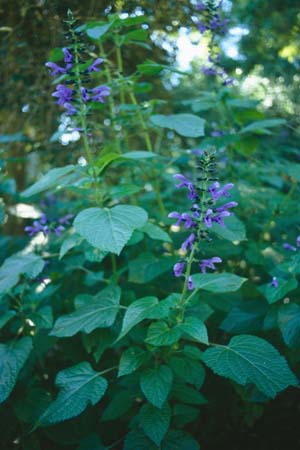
[46, 225]
[274, 283]
[70, 97]
[203, 212]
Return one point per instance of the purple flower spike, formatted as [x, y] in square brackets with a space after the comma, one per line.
[188, 242]
[94, 66]
[188, 221]
[63, 94]
[201, 27]
[209, 263]
[68, 56]
[178, 268]
[288, 246]
[55, 69]
[190, 283]
[99, 93]
[274, 283]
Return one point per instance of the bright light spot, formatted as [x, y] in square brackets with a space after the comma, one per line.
[30, 322]
[232, 52]
[82, 161]
[148, 187]
[25, 211]
[239, 31]
[38, 239]
[107, 122]
[66, 138]
[238, 71]
[25, 108]
[187, 51]
[42, 286]
[175, 228]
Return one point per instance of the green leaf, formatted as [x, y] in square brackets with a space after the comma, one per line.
[131, 360]
[194, 328]
[119, 405]
[70, 242]
[179, 440]
[12, 358]
[139, 154]
[95, 30]
[273, 294]
[187, 394]
[289, 324]
[247, 317]
[155, 232]
[136, 439]
[109, 229]
[100, 313]
[79, 385]
[234, 230]
[53, 179]
[156, 384]
[293, 170]
[159, 334]
[105, 160]
[150, 67]
[43, 317]
[147, 266]
[188, 370]
[155, 422]
[261, 126]
[250, 359]
[136, 312]
[187, 125]
[16, 265]
[6, 317]
[218, 282]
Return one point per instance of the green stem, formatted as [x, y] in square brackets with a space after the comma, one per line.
[120, 70]
[142, 122]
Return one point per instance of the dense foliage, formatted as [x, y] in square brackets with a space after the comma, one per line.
[151, 245]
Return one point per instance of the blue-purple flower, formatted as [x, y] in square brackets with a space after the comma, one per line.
[209, 263]
[178, 268]
[190, 283]
[94, 66]
[55, 69]
[63, 94]
[188, 243]
[99, 93]
[68, 57]
[274, 283]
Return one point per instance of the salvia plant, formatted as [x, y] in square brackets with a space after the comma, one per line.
[117, 316]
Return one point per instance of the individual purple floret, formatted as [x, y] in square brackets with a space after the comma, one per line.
[66, 219]
[184, 217]
[178, 268]
[94, 66]
[84, 94]
[190, 283]
[71, 110]
[290, 247]
[209, 71]
[63, 94]
[55, 69]
[37, 227]
[188, 242]
[68, 57]
[201, 26]
[58, 230]
[184, 182]
[274, 283]
[200, 6]
[226, 207]
[208, 218]
[216, 191]
[209, 263]
[298, 241]
[99, 93]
